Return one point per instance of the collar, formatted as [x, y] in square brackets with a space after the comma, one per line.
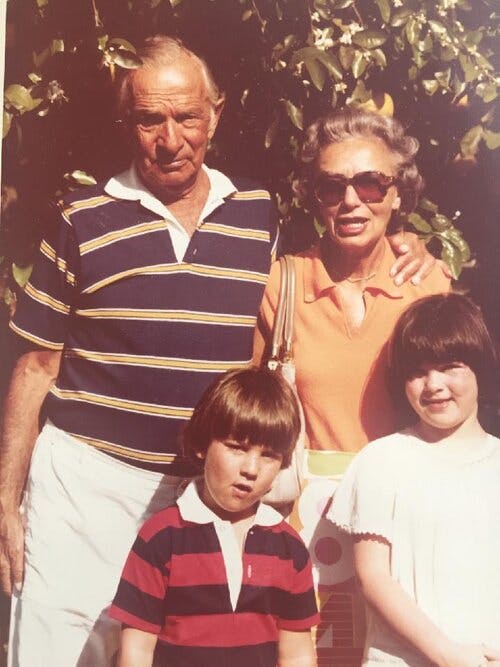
[128, 185]
[317, 281]
[193, 509]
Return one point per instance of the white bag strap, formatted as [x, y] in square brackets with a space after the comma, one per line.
[281, 342]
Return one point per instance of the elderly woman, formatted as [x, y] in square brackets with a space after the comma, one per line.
[359, 172]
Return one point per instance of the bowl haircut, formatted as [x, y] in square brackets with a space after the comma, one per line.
[440, 329]
[251, 405]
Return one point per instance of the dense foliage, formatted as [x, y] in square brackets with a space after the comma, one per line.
[281, 62]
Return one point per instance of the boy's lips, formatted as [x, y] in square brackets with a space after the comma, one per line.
[242, 489]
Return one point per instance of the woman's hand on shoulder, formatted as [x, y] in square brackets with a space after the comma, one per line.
[414, 262]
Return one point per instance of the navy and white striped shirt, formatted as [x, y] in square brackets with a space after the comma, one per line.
[142, 331]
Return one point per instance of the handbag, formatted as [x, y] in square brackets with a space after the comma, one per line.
[288, 483]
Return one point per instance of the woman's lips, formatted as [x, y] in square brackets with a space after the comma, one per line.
[350, 226]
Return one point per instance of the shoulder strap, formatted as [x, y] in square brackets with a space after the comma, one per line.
[281, 342]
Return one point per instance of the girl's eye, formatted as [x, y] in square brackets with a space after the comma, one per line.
[453, 367]
[271, 454]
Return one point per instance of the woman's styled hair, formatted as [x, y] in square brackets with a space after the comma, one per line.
[440, 329]
[253, 405]
[158, 51]
[352, 123]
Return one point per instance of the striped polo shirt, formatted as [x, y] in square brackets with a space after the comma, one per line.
[175, 585]
[145, 316]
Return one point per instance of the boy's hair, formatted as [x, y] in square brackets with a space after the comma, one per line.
[440, 329]
[253, 405]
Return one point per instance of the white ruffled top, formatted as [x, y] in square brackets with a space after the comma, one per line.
[441, 514]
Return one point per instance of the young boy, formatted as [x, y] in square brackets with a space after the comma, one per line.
[219, 578]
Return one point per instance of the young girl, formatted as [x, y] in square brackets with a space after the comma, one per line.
[423, 505]
[220, 579]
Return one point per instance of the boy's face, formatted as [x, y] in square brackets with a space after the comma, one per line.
[444, 396]
[236, 476]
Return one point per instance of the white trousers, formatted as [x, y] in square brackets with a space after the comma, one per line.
[83, 510]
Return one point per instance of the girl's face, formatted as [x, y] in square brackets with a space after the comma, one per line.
[444, 396]
[236, 476]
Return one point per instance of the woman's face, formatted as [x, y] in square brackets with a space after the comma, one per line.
[352, 224]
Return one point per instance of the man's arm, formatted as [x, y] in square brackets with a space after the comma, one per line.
[295, 649]
[372, 565]
[414, 262]
[136, 648]
[32, 378]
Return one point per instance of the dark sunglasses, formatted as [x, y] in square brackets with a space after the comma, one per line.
[371, 187]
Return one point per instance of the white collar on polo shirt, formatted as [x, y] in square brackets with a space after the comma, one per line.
[128, 185]
[192, 508]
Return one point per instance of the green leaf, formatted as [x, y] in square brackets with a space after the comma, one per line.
[379, 57]
[491, 139]
[440, 222]
[420, 224]
[7, 120]
[57, 46]
[427, 205]
[443, 78]
[360, 94]
[247, 14]
[487, 91]
[120, 43]
[294, 114]
[316, 71]
[358, 64]
[81, 177]
[470, 142]
[40, 58]
[369, 39]
[346, 56]
[385, 9]
[21, 274]
[400, 16]
[412, 31]
[34, 77]
[125, 59]
[452, 256]
[18, 97]
[331, 63]
[272, 130]
[470, 73]
[430, 86]
[453, 235]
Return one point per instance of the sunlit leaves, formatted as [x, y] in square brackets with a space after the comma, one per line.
[79, 177]
[21, 274]
[370, 39]
[294, 113]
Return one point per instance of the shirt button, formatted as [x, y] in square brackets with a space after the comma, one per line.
[195, 251]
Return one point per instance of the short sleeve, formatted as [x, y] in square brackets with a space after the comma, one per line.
[139, 600]
[364, 501]
[296, 605]
[46, 302]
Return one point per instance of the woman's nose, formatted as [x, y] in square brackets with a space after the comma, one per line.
[351, 197]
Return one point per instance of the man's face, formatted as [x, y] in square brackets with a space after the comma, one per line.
[172, 121]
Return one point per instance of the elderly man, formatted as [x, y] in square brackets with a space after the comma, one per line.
[145, 289]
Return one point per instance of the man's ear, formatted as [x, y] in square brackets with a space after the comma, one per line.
[215, 115]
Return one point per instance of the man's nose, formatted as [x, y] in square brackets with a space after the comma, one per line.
[169, 136]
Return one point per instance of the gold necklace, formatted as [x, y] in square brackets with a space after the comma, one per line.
[359, 280]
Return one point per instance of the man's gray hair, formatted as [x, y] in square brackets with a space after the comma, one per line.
[158, 51]
[349, 123]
